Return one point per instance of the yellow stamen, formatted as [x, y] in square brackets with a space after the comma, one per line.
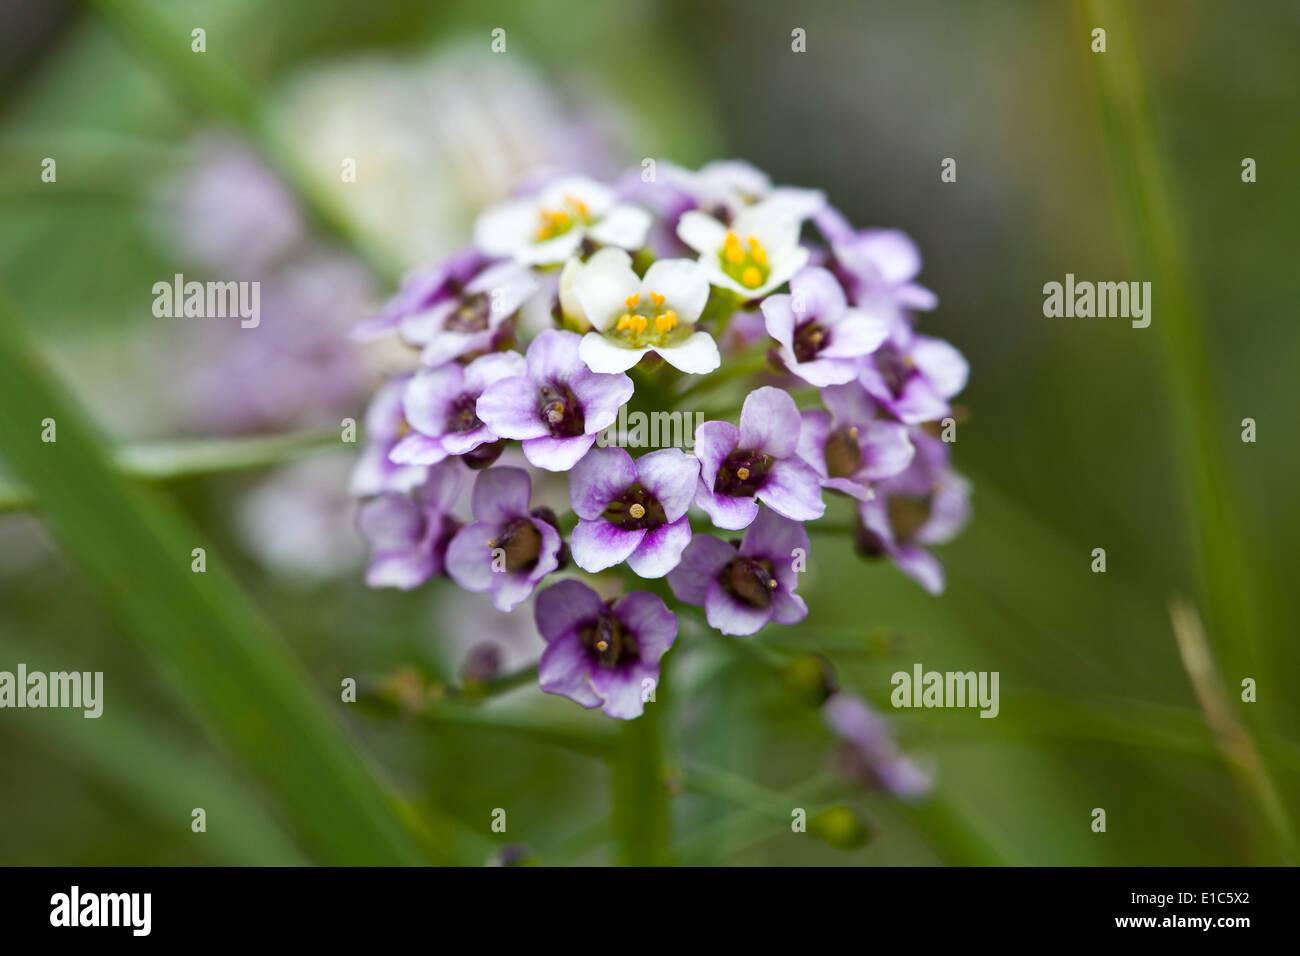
[658, 299]
[853, 432]
[639, 323]
[602, 646]
[751, 278]
[734, 255]
[771, 583]
[666, 322]
[637, 511]
[742, 473]
[633, 300]
[624, 322]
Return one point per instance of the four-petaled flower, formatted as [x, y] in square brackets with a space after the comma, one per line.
[756, 462]
[633, 315]
[550, 225]
[926, 504]
[507, 549]
[441, 408]
[408, 534]
[743, 588]
[758, 252]
[848, 446]
[822, 340]
[633, 511]
[558, 406]
[602, 655]
[914, 379]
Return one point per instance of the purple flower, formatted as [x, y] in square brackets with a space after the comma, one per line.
[848, 446]
[756, 462]
[408, 534]
[602, 655]
[742, 589]
[375, 473]
[440, 406]
[926, 504]
[506, 550]
[558, 406]
[633, 511]
[454, 310]
[821, 338]
[914, 379]
[871, 755]
[877, 267]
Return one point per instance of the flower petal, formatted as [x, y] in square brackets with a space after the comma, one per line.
[511, 408]
[626, 226]
[730, 615]
[701, 232]
[501, 495]
[671, 476]
[727, 513]
[683, 282]
[646, 616]
[661, 549]
[565, 669]
[603, 286]
[604, 357]
[597, 544]
[793, 489]
[564, 607]
[714, 441]
[557, 454]
[769, 422]
[698, 355]
[702, 561]
[469, 557]
[600, 477]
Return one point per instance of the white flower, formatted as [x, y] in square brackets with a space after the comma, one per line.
[634, 316]
[757, 253]
[550, 225]
[731, 185]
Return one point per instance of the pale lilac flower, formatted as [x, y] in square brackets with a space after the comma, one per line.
[633, 316]
[821, 338]
[558, 406]
[871, 756]
[507, 549]
[408, 534]
[927, 504]
[726, 187]
[423, 289]
[602, 655]
[754, 255]
[915, 378]
[550, 225]
[375, 473]
[878, 267]
[756, 462]
[850, 447]
[633, 511]
[743, 589]
[440, 408]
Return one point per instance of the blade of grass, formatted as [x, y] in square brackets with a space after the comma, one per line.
[228, 664]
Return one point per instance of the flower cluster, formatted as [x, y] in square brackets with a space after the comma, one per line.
[579, 300]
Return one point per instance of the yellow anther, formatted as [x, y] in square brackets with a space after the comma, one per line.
[602, 646]
[751, 278]
[733, 255]
[639, 323]
[853, 432]
[742, 473]
[757, 253]
[771, 583]
[633, 300]
[657, 298]
[637, 511]
[732, 239]
[624, 322]
[666, 322]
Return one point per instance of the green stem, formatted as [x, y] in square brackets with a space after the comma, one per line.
[191, 458]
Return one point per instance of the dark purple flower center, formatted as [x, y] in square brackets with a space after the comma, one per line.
[609, 641]
[809, 339]
[893, 367]
[843, 453]
[462, 417]
[750, 580]
[636, 509]
[560, 410]
[742, 473]
[521, 543]
[908, 515]
[471, 315]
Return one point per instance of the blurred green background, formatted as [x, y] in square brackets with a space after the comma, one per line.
[1081, 433]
